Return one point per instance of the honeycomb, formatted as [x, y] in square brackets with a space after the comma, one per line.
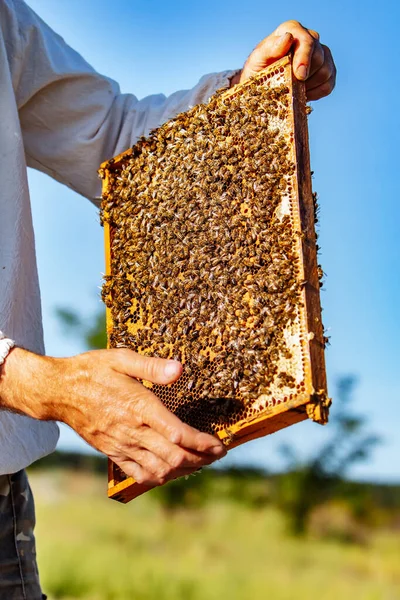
[211, 259]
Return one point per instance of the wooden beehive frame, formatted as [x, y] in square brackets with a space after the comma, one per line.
[312, 402]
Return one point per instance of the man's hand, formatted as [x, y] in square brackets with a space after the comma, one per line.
[98, 395]
[312, 61]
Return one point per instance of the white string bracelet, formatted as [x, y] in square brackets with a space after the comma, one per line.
[5, 346]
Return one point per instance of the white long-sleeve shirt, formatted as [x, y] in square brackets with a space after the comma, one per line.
[59, 116]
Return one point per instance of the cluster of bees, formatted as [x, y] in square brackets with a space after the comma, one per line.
[204, 263]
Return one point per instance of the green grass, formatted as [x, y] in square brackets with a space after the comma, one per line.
[92, 548]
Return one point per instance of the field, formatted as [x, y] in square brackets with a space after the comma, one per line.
[93, 548]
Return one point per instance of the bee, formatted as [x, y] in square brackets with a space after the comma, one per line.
[320, 272]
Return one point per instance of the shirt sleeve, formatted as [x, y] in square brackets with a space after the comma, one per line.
[73, 118]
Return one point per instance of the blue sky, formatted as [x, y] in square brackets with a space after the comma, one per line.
[151, 47]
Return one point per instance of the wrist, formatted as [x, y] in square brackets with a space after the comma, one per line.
[235, 79]
[27, 384]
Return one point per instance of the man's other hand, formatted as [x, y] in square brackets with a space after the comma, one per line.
[312, 61]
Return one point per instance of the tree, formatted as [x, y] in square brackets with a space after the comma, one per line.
[91, 331]
[310, 483]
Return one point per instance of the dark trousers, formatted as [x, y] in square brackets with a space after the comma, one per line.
[19, 579]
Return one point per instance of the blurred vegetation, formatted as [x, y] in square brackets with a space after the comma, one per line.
[227, 546]
[318, 479]
[349, 513]
[91, 331]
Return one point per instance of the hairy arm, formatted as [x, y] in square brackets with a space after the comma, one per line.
[98, 395]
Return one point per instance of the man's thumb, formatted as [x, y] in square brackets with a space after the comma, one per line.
[278, 48]
[267, 52]
[156, 370]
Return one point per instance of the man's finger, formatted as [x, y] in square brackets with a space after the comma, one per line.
[132, 469]
[158, 417]
[314, 34]
[158, 469]
[319, 78]
[175, 456]
[145, 477]
[317, 60]
[303, 51]
[156, 370]
[304, 41]
[322, 90]
[323, 82]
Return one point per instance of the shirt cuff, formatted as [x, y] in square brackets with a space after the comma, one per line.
[221, 80]
[5, 346]
[226, 77]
